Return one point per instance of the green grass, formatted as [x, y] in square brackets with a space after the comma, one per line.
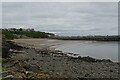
[19, 34]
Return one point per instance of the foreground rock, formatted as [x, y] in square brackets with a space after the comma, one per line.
[32, 63]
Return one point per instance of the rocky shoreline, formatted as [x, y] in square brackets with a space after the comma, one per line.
[28, 62]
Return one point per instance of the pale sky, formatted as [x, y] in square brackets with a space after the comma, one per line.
[63, 18]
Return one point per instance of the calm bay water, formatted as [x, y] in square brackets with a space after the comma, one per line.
[96, 49]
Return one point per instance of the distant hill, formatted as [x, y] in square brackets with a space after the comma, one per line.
[13, 33]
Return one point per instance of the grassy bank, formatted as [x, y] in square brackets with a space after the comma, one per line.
[14, 33]
[20, 33]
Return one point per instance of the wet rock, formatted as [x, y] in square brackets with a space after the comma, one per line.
[9, 77]
[90, 59]
[5, 51]
[33, 58]
[106, 60]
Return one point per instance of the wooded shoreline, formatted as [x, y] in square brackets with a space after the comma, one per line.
[13, 33]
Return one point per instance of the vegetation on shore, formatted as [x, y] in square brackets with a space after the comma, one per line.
[14, 33]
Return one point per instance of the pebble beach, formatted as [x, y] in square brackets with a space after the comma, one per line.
[35, 62]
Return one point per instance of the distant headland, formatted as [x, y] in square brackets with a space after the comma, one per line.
[13, 33]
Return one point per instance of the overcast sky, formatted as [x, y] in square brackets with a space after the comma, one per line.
[63, 18]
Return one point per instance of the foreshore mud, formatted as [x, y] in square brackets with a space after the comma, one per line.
[28, 62]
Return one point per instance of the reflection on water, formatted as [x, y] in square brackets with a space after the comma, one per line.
[101, 50]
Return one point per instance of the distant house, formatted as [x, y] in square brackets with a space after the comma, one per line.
[11, 29]
[28, 29]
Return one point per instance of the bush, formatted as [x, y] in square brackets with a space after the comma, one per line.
[32, 34]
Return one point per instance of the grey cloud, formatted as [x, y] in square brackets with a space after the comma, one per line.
[78, 18]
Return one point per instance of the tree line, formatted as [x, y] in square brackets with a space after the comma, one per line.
[20, 33]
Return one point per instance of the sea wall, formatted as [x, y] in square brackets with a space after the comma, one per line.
[95, 38]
